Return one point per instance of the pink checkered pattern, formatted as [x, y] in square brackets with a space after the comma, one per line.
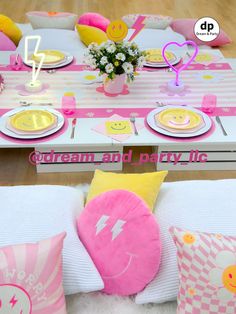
[196, 293]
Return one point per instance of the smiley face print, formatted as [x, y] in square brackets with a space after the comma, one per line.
[14, 300]
[117, 30]
[32, 120]
[118, 127]
[178, 118]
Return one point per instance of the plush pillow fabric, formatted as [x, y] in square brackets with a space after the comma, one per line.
[90, 34]
[151, 21]
[95, 20]
[145, 185]
[156, 38]
[6, 44]
[198, 205]
[10, 29]
[207, 272]
[186, 28]
[61, 20]
[123, 240]
[31, 277]
[40, 212]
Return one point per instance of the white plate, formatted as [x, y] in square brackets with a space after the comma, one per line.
[152, 124]
[164, 65]
[6, 131]
[68, 59]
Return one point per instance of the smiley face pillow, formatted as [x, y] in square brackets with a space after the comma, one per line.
[123, 239]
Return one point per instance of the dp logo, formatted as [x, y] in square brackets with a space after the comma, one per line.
[206, 29]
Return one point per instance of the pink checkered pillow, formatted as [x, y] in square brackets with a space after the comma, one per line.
[207, 266]
[31, 278]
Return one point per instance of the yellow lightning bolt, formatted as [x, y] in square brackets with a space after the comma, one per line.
[35, 72]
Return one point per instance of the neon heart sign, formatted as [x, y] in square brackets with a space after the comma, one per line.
[184, 66]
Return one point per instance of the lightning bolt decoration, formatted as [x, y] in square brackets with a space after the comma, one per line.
[117, 228]
[28, 60]
[138, 26]
[101, 224]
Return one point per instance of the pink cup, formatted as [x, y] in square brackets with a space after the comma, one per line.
[68, 105]
[16, 62]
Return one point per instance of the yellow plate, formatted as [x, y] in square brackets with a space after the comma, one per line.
[178, 118]
[32, 120]
[155, 56]
[51, 56]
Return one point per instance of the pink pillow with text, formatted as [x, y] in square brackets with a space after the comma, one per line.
[207, 272]
[5, 43]
[123, 239]
[31, 278]
[185, 27]
[95, 20]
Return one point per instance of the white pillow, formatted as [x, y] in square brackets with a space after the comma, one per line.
[31, 213]
[157, 38]
[62, 20]
[207, 206]
[151, 21]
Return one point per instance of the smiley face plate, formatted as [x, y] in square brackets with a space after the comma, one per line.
[179, 118]
[32, 120]
[155, 56]
[51, 56]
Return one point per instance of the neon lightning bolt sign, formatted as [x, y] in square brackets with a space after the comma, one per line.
[35, 72]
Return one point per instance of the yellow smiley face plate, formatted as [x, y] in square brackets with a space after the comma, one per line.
[118, 127]
[179, 119]
[32, 120]
[155, 56]
[51, 56]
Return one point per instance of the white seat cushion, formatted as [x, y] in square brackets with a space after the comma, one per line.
[31, 213]
[208, 206]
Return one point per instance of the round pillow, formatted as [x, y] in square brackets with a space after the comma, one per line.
[95, 20]
[123, 239]
[6, 44]
[10, 29]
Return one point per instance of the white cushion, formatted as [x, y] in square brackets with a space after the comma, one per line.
[156, 38]
[62, 20]
[151, 21]
[208, 206]
[32, 213]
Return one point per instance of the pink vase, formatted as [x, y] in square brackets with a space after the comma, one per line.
[116, 85]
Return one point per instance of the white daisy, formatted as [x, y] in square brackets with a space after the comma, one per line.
[128, 68]
[103, 60]
[223, 276]
[111, 48]
[109, 68]
[92, 46]
[131, 52]
[120, 56]
[141, 61]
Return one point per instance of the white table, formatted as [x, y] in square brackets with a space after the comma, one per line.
[221, 149]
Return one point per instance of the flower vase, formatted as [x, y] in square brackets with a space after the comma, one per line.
[116, 85]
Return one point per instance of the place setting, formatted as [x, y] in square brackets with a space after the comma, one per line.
[179, 121]
[53, 59]
[154, 58]
[32, 123]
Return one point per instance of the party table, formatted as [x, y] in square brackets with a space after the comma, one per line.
[147, 92]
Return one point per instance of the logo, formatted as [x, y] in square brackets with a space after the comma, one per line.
[206, 29]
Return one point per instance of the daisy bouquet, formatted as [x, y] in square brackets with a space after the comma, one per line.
[114, 59]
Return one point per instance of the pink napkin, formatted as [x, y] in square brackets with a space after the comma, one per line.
[101, 128]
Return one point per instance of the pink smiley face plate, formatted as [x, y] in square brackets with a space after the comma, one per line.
[123, 239]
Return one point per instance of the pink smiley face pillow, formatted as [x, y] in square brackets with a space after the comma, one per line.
[123, 239]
